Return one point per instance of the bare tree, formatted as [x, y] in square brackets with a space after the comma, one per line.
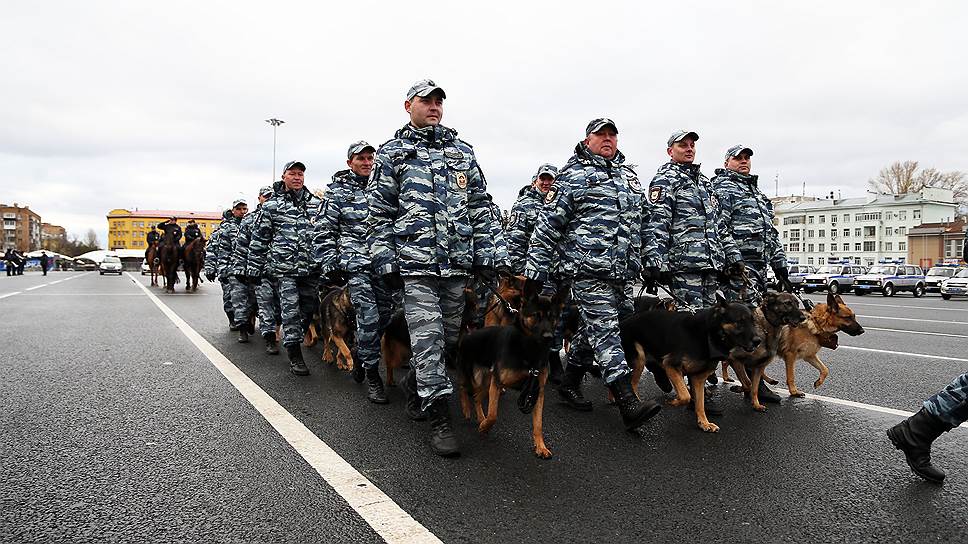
[90, 239]
[904, 177]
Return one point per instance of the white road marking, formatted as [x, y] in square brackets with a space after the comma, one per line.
[378, 510]
[911, 319]
[5, 295]
[922, 355]
[917, 332]
[852, 303]
[55, 282]
[853, 404]
[36, 287]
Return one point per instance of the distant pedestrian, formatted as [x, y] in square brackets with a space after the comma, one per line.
[8, 261]
[21, 262]
[44, 262]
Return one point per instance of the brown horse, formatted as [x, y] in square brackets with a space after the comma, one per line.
[168, 251]
[153, 264]
[194, 262]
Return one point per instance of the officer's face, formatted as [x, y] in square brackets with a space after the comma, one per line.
[543, 183]
[361, 163]
[740, 164]
[603, 143]
[240, 210]
[683, 151]
[294, 179]
[425, 111]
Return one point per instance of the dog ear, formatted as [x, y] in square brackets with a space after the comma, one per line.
[530, 290]
[721, 299]
[832, 301]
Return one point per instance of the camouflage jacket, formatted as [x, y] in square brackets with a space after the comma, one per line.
[498, 238]
[747, 214]
[281, 243]
[340, 236]
[429, 212]
[211, 253]
[521, 222]
[686, 235]
[594, 215]
[240, 251]
[228, 232]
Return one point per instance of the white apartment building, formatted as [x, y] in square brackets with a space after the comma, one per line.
[864, 229]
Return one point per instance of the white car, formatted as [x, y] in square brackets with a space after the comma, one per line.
[956, 286]
[937, 275]
[835, 278]
[110, 265]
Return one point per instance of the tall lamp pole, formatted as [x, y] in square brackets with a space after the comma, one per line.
[275, 124]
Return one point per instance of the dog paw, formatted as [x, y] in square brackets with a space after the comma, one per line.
[485, 426]
[542, 452]
[709, 427]
[817, 384]
[759, 407]
[678, 402]
[796, 393]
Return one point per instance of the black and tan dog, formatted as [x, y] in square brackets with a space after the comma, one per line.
[691, 344]
[493, 358]
[818, 330]
[338, 327]
[510, 288]
[777, 311]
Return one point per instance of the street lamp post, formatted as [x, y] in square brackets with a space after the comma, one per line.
[275, 124]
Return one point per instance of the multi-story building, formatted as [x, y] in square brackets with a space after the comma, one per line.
[21, 228]
[864, 229]
[934, 243]
[128, 229]
[52, 237]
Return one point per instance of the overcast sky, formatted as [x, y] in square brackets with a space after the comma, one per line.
[162, 105]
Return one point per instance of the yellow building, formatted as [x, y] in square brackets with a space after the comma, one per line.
[128, 229]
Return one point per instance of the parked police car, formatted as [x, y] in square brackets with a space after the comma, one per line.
[833, 277]
[796, 271]
[888, 278]
[956, 286]
[937, 274]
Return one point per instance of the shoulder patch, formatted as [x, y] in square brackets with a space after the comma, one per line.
[551, 196]
[635, 185]
[655, 194]
[714, 201]
[513, 219]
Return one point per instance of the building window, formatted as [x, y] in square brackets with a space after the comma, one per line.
[902, 215]
[822, 233]
[916, 214]
[809, 219]
[857, 233]
[870, 231]
[869, 246]
[846, 233]
[823, 219]
[952, 248]
[795, 247]
[846, 218]
[809, 234]
[809, 248]
[857, 246]
[795, 235]
[793, 220]
[888, 246]
[821, 260]
[786, 248]
[846, 247]
[888, 231]
[784, 235]
[902, 231]
[902, 246]
[821, 248]
[809, 260]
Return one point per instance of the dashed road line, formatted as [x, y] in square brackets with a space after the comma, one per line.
[917, 332]
[378, 510]
[905, 353]
[852, 303]
[862, 405]
[912, 319]
[5, 295]
[36, 287]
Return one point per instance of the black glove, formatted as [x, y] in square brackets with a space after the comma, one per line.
[241, 278]
[486, 274]
[337, 276]
[650, 275]
[665, 278]
[736, 270]
[392, 280]
[210, 276]
[783, 279]
[253, 280]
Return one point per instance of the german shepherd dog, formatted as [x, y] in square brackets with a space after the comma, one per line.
[819, 330]
[494, 358]
[510, 289]
[635, 355]
[691, 345]
[338, 320]
[771, 317]
[395, 341]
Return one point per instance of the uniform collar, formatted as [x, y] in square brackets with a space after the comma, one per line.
[732, 174]
[431, 135]
[347, 177]
[584, 155]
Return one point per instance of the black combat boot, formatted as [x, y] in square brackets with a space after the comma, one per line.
[244, 334]
[554, 366]
[711, 400]
[374, 386]
[409, 386]
[634, 412]
[232, 325]
[914, 436]
[442, 438]
[296, 363]
[271, 347]
[358, 371]
[570, 388]
[766, 394]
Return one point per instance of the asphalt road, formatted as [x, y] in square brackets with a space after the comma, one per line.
[117, 428]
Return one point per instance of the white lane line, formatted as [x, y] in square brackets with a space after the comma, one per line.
[861, 405]
[382, 514]
[55, 282]
[922, 355]
[852, 303]
[5, 295]
[917, 332]
[911, 319]
[36, 287]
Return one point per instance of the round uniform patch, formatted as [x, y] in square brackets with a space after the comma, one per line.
[552, 195]
[462, 180]
[635, 185]
[655, 195]
[714, 201]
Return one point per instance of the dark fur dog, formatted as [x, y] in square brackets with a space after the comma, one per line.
[493, 358]
[338, 327]
[636, 357]
[775, 312]
[691, 345]
[510, 289]
[819, 330]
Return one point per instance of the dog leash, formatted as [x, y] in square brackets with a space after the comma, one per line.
[507, 305]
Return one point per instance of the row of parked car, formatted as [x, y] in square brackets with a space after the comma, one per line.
[886, 278]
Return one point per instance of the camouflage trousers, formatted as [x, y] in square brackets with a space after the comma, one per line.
[298, 301]
[737, 291]
[601, 305]
[433, 307]
[243, 301]
[951, 403]
[374, 308]
[695, 289]
[267, 297]
[226, 296]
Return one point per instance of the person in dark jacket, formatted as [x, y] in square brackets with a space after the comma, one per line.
[44, 262]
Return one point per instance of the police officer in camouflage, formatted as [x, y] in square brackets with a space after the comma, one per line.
[595, 214]
[486, 286]
[939, 414]
[267, 292]
[213, 269]
[343, 253]
[689, 249]
[282, 247]
[430, 221]
[238, 290]
[244, 295]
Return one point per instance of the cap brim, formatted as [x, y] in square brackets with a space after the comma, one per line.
[430, 91]
[597, 128]
[295, 166]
